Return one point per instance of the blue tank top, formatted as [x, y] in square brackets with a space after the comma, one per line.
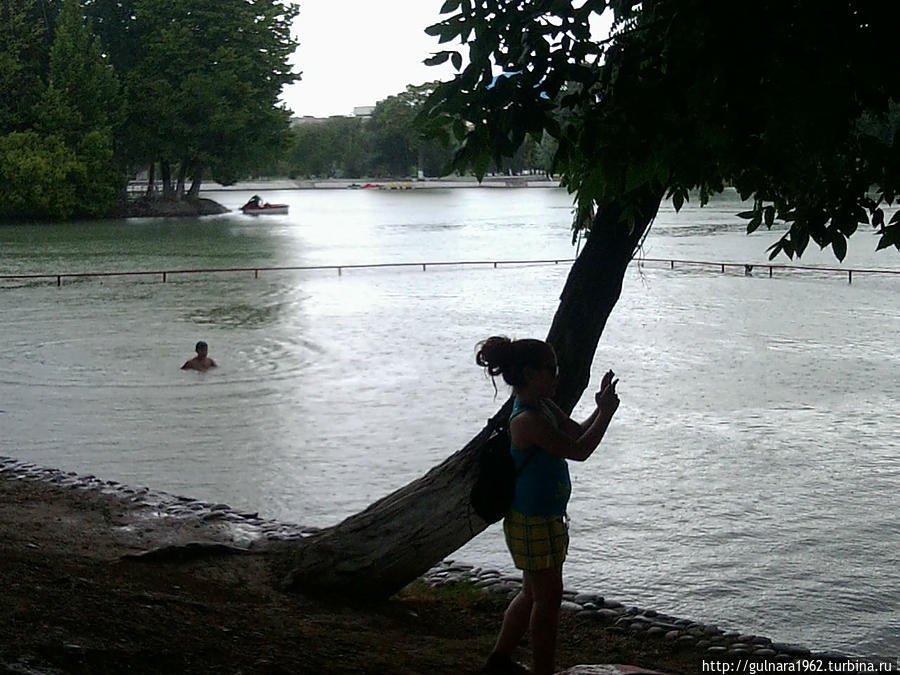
[543, 486]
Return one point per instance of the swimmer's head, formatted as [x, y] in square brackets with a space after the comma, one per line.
[201, 347]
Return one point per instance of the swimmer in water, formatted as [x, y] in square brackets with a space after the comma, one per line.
[201, 361]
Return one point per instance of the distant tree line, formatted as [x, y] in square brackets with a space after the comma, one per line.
[388, 144]
[95, 91]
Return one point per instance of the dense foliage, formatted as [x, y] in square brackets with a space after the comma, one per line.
[57, 154]
[791, 102]
[389, 144]
[204, 82]
[101, 89]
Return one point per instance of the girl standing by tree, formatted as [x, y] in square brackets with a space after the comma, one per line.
[543, 438]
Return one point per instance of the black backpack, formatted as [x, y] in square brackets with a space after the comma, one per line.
[495, 484]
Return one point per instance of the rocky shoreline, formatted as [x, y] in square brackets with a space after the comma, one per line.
[155, 208]
[718, 643]
[179, 520]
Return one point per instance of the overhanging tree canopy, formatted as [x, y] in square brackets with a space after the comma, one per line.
[789, 101]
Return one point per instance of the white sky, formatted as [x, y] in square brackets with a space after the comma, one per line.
[358, 52]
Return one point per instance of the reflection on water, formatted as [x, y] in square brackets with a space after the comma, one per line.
[237, 316]
[749, 478]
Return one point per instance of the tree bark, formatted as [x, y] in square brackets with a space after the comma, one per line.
[182, 176]
[166, 171]
[375, 553]
[196, 180]
[151, 180]
[591, 291]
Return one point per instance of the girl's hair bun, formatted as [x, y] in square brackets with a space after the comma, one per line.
[494, 354]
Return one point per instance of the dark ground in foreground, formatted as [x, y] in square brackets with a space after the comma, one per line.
[70, 604]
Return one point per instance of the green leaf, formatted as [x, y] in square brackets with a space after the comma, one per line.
[848, 227]
[821, 236]
[769, 214]
[754, 224]
[449, 6]
[889, 237]
[456, 59]
[459, 129]
[839, 246]
[746, 214]
[799, 242]
[438, 59]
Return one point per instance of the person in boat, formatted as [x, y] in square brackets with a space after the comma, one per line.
[255, 202]
[202, 360]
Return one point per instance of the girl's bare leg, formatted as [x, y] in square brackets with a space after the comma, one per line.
[546, 589]
[515, 619]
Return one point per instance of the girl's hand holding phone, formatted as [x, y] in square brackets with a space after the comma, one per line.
[607, 399]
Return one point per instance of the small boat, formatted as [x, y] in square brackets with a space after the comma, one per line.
[270, 209]
[257, 207]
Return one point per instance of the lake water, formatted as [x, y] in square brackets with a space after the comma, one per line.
[749, 480]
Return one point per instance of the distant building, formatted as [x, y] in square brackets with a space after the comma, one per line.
[362, 112]
[306, 119]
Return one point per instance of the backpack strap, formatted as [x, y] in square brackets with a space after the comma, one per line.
[502, 427]
[525, 463]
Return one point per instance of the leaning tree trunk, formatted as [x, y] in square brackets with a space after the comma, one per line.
[592, 290]
[380, 550]
[196, 181]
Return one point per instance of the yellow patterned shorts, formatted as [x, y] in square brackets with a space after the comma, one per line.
[536, 542]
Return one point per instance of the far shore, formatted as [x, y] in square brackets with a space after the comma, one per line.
[384, 183]
[204, 206]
